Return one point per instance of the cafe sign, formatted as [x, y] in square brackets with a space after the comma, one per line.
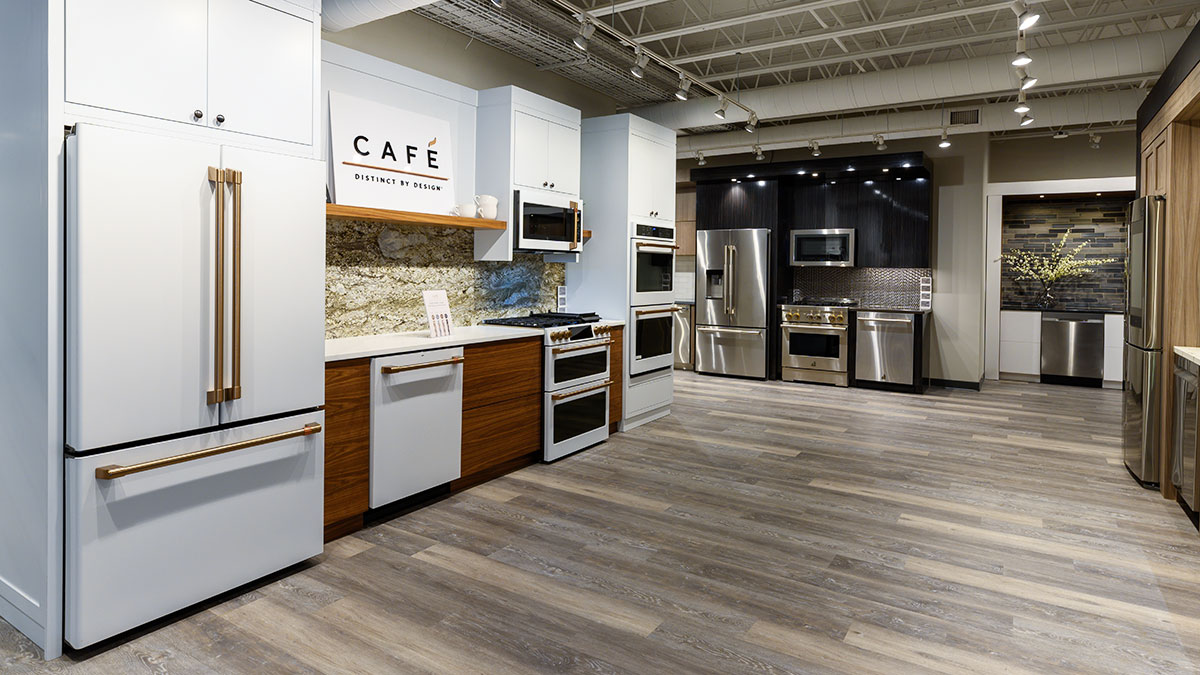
[389, 158]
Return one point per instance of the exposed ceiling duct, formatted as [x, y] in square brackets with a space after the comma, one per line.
[1098, 109]
[1134, 56]
[339, 15]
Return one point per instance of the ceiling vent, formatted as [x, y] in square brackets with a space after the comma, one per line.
[958, 117]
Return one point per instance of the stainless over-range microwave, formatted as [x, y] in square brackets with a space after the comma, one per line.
[823, 248]
[549, 224]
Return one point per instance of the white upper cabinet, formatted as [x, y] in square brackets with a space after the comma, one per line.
[260, 71]
[651, 179]
[545, 154]
[141, 56]
[237, 65]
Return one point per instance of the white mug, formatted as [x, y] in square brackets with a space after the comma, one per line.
[487, 206]
[465, 210]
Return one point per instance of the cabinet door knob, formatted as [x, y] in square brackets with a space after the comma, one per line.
[197, 114]
[552, 185]
[545, 184]
[220, 119]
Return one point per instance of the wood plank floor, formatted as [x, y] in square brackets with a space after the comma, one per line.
[763, 527]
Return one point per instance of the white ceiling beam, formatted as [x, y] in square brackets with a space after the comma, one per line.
[816, 36]
[739, 19]
[623, 6]
[1101, 20]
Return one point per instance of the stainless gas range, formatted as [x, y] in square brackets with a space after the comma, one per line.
[576, 381]
[816, 340]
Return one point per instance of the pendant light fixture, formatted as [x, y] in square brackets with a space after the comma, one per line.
[700, 161]
[586, 29]
[945, 142]
[684, 85]
[815, 148]
[1022, 58]
[1094, 141]
[641, 60]
[1022, 106]
[752, 123]
[1027, 80]
[1025, 17]
[758, 153]
[879, 143]
[720, 112]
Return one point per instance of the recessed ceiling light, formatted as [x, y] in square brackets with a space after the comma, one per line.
[868, 182]
[833, 182]
[801, 172]
[1041, 196]
[732, 180]
[749, 175]
[815, 174]
[897, 177]
[905, 165]
[849, 168]
[1097, 194]
[885, 169]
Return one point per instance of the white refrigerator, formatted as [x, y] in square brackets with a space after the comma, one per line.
[194, 373]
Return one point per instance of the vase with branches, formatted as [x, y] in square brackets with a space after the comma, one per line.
[1050, 269]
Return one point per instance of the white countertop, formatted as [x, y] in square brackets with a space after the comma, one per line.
[342, 349]
[1190, 353]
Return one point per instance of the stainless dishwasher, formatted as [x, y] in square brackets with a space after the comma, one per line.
[885, 347]
[1073, 348]
[1183, 474]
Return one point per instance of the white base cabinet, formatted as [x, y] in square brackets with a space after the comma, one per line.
[416, 423]
[143, 545]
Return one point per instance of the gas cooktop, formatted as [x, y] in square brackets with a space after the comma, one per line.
[828, 302]
[546, 319]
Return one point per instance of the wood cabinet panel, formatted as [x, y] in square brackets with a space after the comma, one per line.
[685, 222]
[347, 441]
[615, 393]
[494, 434]
[499, 371]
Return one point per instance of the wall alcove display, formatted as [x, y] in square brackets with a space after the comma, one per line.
[1035, 223]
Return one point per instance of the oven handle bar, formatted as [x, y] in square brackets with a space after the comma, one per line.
[738, 331]
[569, 394]
[564, 350]
[644, 244]
[642, 312]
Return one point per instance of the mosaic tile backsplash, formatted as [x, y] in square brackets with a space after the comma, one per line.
[893, 287]
[1036, 224]
[374, 275]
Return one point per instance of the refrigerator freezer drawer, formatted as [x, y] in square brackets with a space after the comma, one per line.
[1141, 416]
[725, 350]
[165, 537]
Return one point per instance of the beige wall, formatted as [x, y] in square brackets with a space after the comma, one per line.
[429, 47]
[1046, 158]
[959, 176]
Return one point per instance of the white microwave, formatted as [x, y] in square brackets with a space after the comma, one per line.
[822, 248]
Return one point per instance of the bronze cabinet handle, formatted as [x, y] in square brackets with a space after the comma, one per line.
[217, 393]
[116, 471]
[234, 391]
[569, 394]
[392, 370]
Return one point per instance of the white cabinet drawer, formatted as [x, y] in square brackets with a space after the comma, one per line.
[649, 393]
[146, 544]
[416, 423]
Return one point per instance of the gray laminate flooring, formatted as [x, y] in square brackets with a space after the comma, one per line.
[761, 528]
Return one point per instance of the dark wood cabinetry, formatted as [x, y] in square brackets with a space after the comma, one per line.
[615, 403]
[347, 445]
[728, 206]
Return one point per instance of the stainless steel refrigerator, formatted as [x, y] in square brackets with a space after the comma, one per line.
[731, 302]
[1142, 411]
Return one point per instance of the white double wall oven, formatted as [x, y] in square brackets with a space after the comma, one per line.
[651, 297]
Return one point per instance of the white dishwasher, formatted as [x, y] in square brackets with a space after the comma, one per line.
[416, 423]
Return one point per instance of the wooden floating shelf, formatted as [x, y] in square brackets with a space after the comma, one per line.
[410, 218]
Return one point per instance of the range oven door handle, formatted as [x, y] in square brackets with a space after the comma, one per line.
[569, 394]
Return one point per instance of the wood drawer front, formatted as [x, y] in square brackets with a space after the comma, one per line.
[147, 544]
[347, 439]
[500, 432]
[500, 371]
[616, 392]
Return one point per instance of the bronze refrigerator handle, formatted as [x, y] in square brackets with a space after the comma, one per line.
[217, 393]
[234, 391]
[392, 370]
[116, 471]
[569, 394]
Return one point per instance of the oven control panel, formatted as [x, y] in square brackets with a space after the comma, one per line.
[826, 315]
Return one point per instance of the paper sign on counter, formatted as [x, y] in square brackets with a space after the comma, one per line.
[437, 310]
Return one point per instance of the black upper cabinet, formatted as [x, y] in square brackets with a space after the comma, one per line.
[731, 206]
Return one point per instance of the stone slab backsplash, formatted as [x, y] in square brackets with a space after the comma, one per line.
[374, 275]
[1035, 224]
[898, 287]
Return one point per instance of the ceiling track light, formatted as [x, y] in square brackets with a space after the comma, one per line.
[498, 4]
[945, 142]
[720, 112]
[700, 161]
[879, 142]
[1022, 58]
[1027, 80]
[641, 60]
[1094, 141]
[1026, 120]
[752, 123]
[1060, 134]
[815, 148]
[1025, 17]
[684, 85]
[586, 29]
[758, 153]
[1022, 106]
